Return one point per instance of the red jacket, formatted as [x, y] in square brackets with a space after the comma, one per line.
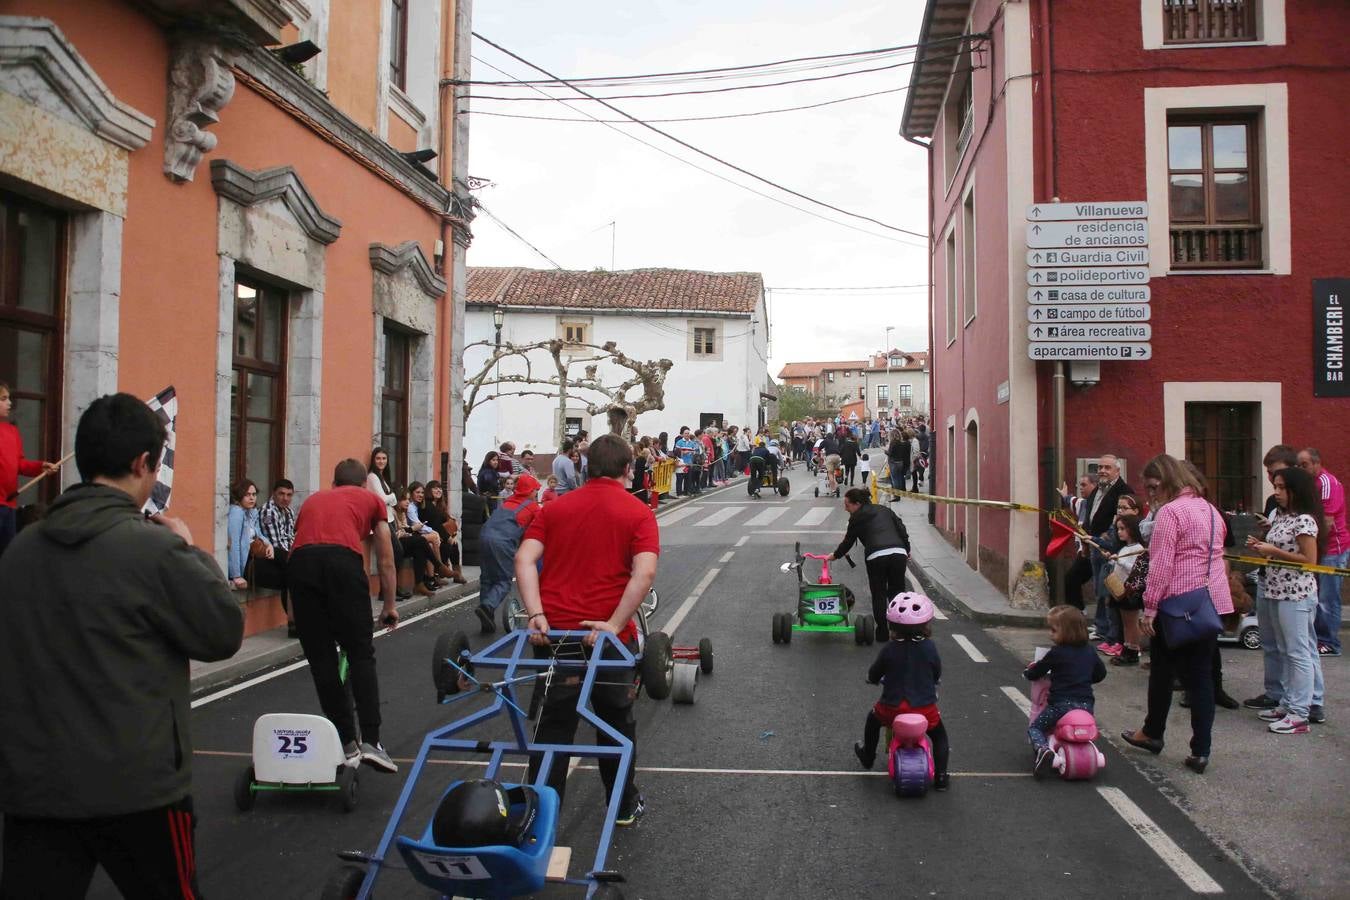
[12, 463]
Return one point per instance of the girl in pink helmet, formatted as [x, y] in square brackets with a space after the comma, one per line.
[908, 669]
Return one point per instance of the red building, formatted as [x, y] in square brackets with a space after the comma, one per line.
[1226, 118]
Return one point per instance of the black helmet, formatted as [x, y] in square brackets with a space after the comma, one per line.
[481, 812]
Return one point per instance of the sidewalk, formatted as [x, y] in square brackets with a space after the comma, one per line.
[942, 573]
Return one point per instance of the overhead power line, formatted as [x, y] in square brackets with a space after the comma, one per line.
[720, 177]
[515, 234]
[873, 287]
[701, 152]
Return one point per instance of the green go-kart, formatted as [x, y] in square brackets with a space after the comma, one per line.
[822, 605]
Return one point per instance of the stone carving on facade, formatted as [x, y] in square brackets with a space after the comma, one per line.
[200, 85]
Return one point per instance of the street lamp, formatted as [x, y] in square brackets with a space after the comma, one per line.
[498, 314]
[889, 329]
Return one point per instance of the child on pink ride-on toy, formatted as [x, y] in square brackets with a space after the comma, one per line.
[908, 669]
[1073, 667]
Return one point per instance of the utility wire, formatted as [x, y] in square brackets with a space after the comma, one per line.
[718, 175]
[689, 146]
[515, 234]
[600, 78]
[874, 287]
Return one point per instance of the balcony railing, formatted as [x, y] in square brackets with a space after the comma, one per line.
[1216, 246]
[1208, 21]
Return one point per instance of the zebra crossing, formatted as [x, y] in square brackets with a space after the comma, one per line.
[752, 515]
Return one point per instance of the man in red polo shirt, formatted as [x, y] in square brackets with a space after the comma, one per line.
[330, 598]
[599, 544]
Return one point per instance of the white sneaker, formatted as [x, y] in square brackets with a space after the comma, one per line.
[375, 755]
[1290, 724]
[1273, 715]
[352, 754]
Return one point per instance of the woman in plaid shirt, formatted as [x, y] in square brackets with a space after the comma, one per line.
[1186, 548]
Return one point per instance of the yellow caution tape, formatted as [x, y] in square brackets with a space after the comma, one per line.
[1284, 564]
[961, 501]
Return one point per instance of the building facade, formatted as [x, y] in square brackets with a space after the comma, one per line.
[711, 326]
[897, 384]
[1224, 118]
[186, 203]
[834, 383]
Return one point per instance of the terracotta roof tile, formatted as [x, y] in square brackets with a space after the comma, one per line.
[812, 369]
[657, 289]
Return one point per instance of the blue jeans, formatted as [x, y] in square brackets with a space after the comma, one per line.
[1102, 618]
[1329, 603]
[1273, 658]
[1049, 717]
[1298, 644]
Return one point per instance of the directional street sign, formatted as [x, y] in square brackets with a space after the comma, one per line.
[1088, 275]
[1089, 350]
[1119, 331]
[1133, 293]
[1091, 312]
[1067, 212]
[1102, 256]
[1091, 233]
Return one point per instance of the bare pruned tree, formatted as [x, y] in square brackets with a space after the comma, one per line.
[611, 399]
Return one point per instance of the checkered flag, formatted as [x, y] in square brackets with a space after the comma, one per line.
[165, 405]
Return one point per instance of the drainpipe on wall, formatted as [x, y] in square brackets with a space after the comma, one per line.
[1049, 192]
[932, 369]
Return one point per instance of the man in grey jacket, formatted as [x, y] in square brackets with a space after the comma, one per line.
[103, 609]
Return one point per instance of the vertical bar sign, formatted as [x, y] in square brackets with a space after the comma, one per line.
[1331, 303]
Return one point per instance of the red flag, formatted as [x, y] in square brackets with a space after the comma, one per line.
[1061, 536]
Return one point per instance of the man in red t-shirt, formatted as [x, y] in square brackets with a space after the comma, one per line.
[330, 598]
[599, 545]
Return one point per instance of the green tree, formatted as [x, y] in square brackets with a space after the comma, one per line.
[796, 403]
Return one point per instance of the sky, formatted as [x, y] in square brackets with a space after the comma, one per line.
[560, 184]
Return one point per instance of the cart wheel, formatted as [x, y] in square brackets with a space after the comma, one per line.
[860, 630]
[783, 487]
[343, 884]
[705, 656]
[870, 629]
[243, 790]
[817, 490]
[787, 628]
[657, 665]
[450, 645]
[777, 629]
[512, 612]
[651, 603]
[1251, 638]
[346, 782]
[683, 683]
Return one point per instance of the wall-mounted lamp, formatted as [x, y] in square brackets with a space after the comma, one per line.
[419, 157]
[294, 54]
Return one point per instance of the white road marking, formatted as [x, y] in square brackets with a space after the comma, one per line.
[814, 516]
[971, 650]
[1016, 696]
[939, 614]
[742, 540]
[679, 514]
[1180, 862]
[689, 602]
[719, 517]
[726, 557]
[815, 531]
[275, 673]
[766, 516]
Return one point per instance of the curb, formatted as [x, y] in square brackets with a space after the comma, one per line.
[938, 591]
[289, 651]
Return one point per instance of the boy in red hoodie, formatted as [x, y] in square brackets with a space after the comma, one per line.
[12, 465]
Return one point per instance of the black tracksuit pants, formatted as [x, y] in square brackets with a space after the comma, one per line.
[885, 579]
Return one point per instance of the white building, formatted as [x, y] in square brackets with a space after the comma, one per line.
[712, 326]
[897, 383]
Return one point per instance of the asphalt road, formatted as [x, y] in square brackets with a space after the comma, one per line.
[753, 791]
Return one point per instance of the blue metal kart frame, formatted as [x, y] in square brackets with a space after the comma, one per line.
[513, 652]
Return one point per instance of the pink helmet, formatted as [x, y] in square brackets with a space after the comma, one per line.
[909, 609]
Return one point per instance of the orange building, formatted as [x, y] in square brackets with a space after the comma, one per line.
[184, 202]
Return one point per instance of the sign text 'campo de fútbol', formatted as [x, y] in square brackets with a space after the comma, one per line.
[1091, 312]
[1089, 233]
[1331, 302]
[1089, 350]
[1068, 212]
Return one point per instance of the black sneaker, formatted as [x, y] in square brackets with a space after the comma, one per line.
[1043, 762]
[1260, 701]
[867, 761]
[631, 815]
[1317, 715]
[942, 781]
[487, 626]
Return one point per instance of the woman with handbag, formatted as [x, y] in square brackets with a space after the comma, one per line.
[1186, 593]
[245, 540]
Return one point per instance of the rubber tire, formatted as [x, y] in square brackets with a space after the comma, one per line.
[343, 884]
[787, 628]
[911, 772]
[1250, 638]
[509, 609]
[783, 487]
[817, 491]
[243, 790]
[1080, 761]
[777, 631]
[346, 782]
[870, 630]
[450, 645]
[684, 681]
[705, 656]
[657, 666]
[859, 632]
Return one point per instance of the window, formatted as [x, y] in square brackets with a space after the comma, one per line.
[398, 43]
[32, 262]
[572, 427]
[394, 400]
[705, 341]
[951, 287]
[1213, 193]
[906, 394]
[896, 362]
[883, 396]
[968, 257]
[576, 333]
[257, 389]
[848, 374]
[829, 376]
[1221, 441]
[1208, 21]
[862, 393]
[965, 106]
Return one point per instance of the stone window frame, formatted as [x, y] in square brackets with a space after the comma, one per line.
[586, 323]
[269, 225]
[719, 341]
